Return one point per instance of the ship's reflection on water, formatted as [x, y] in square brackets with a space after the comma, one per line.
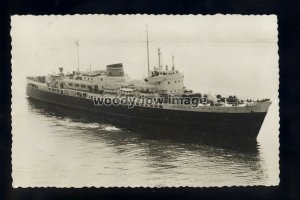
[164, 150]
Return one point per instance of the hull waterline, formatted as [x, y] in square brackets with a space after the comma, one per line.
[228, 126]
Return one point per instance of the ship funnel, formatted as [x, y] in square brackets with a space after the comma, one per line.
[115, 70]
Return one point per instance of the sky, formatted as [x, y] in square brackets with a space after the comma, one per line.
[227, 54]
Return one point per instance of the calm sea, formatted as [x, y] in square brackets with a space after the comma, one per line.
[55, 146]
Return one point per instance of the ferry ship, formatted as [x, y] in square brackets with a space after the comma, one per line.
[226, 117]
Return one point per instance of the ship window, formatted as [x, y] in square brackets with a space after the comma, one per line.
[83, 86]
[70, 84]
[76, 85]
[168, 82]
[101, 79]
[175, 81]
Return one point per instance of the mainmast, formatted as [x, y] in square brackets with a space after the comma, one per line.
[173, 67]
[159, 54]
[77, 44]
[148, 52]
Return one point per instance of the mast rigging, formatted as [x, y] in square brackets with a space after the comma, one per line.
[148, 51]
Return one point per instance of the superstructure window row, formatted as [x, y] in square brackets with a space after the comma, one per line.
[76, 85]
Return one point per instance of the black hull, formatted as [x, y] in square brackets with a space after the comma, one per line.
[233, 126]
